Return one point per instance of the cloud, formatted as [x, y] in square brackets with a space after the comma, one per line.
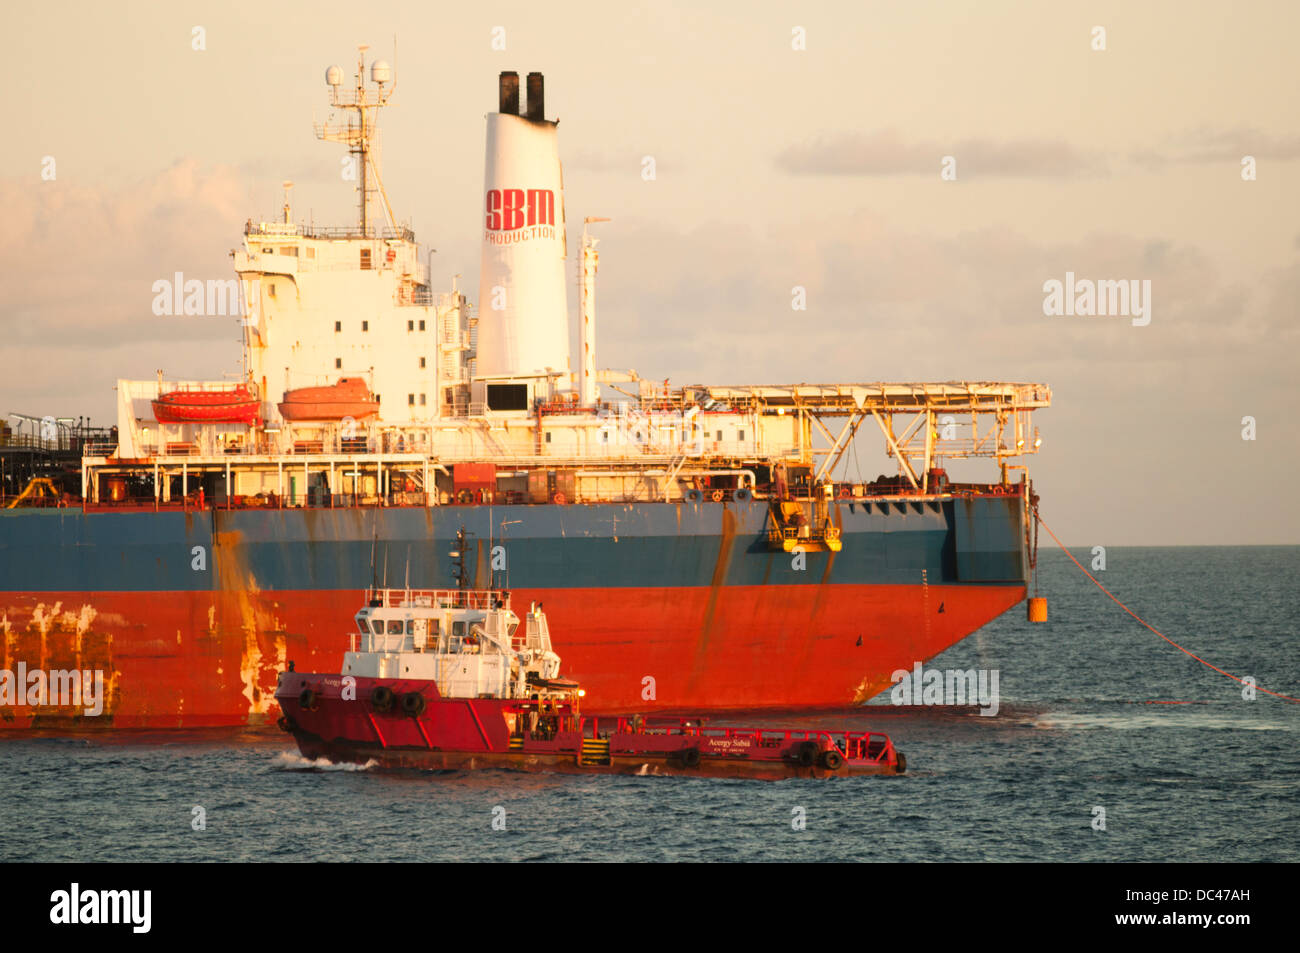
[1207, 144]
[885, 152]
[81, 259]
[890, 304]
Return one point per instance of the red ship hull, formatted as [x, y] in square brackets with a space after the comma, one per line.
[205, 659]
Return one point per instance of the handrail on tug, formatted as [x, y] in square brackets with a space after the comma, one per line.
[860, 742]
[399, 598]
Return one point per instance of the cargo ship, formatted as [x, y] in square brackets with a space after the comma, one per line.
[453, 679]
[694, 543]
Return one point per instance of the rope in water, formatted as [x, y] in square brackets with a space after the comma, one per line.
[1144, 622]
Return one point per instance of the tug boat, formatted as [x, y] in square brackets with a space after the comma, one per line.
[454, 679]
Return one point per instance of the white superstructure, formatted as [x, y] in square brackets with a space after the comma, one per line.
[486, 407]
[469, 642]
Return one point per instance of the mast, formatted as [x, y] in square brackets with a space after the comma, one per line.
[458, 563]
[363, 105]
[588, 390]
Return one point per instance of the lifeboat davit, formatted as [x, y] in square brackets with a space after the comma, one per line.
[238, 404]
[350, 397]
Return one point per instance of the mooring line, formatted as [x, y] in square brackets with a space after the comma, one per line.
[1098, 584]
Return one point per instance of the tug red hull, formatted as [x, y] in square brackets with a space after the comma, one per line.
[478, 733]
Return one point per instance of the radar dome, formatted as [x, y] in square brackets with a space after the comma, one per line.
[333, 76]
[381, 72]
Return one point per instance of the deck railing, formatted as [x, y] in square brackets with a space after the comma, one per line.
[854, 745]
[446, 598]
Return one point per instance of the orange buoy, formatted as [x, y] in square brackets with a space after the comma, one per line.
[1038, 609]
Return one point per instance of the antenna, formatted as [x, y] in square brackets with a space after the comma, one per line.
[364, 102]
[374, 581]
[458, 562]
[588, 385]
[504, 524]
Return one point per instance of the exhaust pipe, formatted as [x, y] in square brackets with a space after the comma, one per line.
[536, 108]
[509, 98]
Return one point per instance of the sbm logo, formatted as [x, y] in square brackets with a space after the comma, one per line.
[508, 209]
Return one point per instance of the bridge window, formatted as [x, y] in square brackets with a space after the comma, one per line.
[365, 325]
[338, 363]
[395, 627]
[422, 360]
[421, 325]
[410, 325]
[507, 396]
[458, 629]
[377, 626]
[338, 326]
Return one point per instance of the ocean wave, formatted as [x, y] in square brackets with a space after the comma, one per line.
[292, 761]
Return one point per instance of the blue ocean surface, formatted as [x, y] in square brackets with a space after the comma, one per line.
[1109, 745]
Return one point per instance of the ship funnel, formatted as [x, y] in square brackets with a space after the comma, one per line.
[523, 324]
[536, 106]
[509, 99]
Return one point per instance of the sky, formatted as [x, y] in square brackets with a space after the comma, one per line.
[794, 145]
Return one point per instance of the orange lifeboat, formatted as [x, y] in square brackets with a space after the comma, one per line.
[238, 404]
[350, 397]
